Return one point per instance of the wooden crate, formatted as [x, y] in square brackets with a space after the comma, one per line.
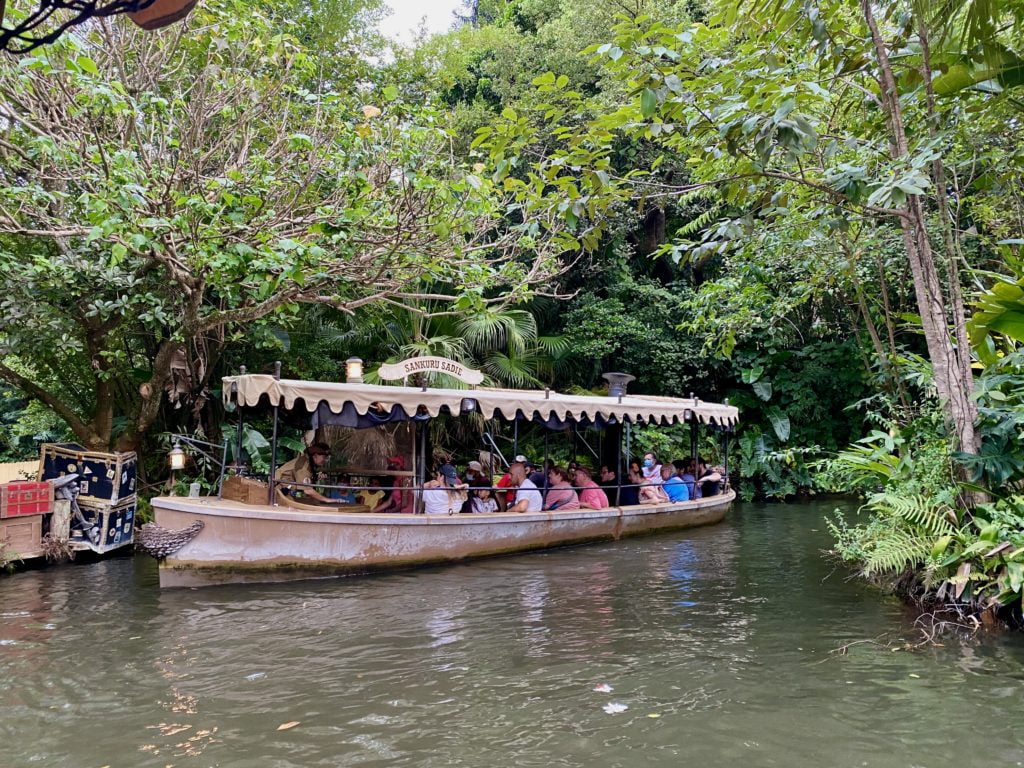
[245, 490]
[103, 478]
[22, 536]
[110, 526]
[25, 498]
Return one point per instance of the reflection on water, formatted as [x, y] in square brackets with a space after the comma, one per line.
[716, 645]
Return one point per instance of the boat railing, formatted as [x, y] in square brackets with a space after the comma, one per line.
[614, 489]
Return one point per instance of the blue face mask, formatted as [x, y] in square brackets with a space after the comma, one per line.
[648, 463]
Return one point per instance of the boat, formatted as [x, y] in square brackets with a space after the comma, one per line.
[262, 535]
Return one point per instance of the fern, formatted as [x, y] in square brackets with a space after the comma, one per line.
[929, 517]
[895, 552]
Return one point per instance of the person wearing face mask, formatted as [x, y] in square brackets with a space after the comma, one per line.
[474, 472]
[652, 469]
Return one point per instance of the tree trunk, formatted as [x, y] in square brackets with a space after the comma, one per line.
[85, 431]
[951, 363]
[152, 393]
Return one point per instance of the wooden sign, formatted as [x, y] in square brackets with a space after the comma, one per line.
[414, 365]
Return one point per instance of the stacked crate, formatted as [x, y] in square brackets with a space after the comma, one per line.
[22, 506]
[106, 493]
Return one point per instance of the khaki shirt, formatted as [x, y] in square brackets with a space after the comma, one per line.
[298, 470]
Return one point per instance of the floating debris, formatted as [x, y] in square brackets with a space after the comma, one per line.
[256, 676]
[286, 726]
[603, 688]
[615, 708]
[654, 715]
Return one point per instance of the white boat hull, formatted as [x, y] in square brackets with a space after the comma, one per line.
[248, 543]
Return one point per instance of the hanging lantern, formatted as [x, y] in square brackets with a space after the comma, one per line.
[176, 457]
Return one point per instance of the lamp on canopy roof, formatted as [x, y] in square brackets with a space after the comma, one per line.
[354, 370]
[617, 383]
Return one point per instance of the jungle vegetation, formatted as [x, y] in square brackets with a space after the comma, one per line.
[813, 209]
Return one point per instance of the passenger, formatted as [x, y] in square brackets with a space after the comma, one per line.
[475, 472]
[300, 471]
[539, 475]
[630, 495]
[483, 501]
[344, 495]
[400, 498]
[679, 465]
[591, 495]
[444, 495]
[610, 484]
[689, 477]
[570, 469]
[561, 495]
[528, 497]
[634, 467]
[652, 469]
[673, 485]
[505, 499]
[373, 496]
[648, 491]
[710, 480]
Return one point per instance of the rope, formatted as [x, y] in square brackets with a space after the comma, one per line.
[160, 542]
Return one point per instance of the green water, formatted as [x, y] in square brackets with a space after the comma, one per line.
[720, 643]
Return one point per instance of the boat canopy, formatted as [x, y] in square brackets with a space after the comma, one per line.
[368, 405]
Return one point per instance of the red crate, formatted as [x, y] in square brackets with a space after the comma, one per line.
[19, 499]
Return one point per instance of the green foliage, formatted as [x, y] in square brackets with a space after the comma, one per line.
[634, 329]
[773, 472]
[25, 424]
[1000, 396]
[212, 184]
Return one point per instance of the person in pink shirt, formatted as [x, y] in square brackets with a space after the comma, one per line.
[560, 494]
[400, 500]
[590, 493]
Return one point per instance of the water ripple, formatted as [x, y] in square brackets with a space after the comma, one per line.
[718, 642]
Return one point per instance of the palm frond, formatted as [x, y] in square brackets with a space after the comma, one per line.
[511, 371]
[498, 329]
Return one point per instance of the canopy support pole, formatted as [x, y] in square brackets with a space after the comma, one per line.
[241, 427]
[515, 437]
[271, 498]
[490, 454]
[415, 457]
[618, 468]
[725, 458]
[693, 445]
[544, 466]
[421, 430]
